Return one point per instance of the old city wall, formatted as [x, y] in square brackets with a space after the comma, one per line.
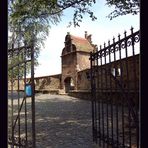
[46, 83]
[53, 83]
[132, 81]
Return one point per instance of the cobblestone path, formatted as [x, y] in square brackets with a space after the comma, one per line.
[63, 122]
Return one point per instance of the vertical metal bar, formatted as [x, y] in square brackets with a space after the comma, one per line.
[93, 87]
[102, 105]
[95, 95]
[106, 94]
[116, 92]
[98, 99]
[33, 98]
[121, 81]
[127, 76]
[111, 94]
[18, 89]
[12, 119]
[135, 86]
[26, 137]
[92, 96]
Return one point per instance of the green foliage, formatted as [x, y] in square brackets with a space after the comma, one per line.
[123, 7]
[30, 20]
[14, 69]
[28, 27]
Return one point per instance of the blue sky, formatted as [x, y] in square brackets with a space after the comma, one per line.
[102, 30]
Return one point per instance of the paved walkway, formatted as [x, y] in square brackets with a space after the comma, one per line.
[63, 122]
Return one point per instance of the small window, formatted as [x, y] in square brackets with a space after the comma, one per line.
[116, 72]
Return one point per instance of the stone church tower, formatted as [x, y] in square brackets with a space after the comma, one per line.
[75, 57]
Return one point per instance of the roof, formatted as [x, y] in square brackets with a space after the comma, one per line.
[81, 44]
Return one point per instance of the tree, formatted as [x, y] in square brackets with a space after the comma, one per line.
[123, 7]
[30, 20]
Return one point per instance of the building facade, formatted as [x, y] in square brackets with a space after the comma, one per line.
[75, 58]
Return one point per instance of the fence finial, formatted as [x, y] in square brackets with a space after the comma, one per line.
[113, 39]
[132, 29]
[125, 33]
[108, 42]
[119, 36]
[100, 47]
[104, 44]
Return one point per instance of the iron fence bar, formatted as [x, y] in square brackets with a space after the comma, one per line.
[98, 100]
[116, 101]
[135, 86]
[26, 143]
[95, 97]
[33, 98]
[26, 129]
[92, 94]
[12, 134]
[94, 125]
[99, 112]
[122, 100]
[18, 95]
[106, 97]
[111, 108]
[127, 75]
[102, 105]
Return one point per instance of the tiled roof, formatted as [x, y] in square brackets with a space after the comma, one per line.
[81, 44]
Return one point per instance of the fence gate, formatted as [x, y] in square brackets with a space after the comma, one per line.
[115, 93]
[21, 104]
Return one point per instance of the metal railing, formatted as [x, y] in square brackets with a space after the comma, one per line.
[21, 117]
[115, 93]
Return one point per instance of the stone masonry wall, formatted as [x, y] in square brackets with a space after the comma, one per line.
[84, 83]
[52, 82]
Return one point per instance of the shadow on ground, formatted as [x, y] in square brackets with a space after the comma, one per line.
[61, 122]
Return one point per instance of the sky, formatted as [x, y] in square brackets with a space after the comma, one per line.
[101, 30]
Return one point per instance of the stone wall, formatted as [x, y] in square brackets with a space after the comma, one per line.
[54, 82]
[132, 80]
[48, 82]
[45, 83]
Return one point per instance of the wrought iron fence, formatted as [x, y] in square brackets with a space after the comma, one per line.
[21, 117]
[115, 92]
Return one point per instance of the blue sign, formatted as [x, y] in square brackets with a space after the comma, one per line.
[28, 90]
